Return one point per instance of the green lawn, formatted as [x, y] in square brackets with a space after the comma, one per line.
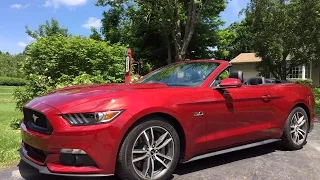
[9, 139]
[317, 110]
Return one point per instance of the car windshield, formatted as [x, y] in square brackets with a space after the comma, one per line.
[181, 74]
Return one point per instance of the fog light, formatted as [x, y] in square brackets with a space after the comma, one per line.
[76, 160]
[67, 159]
[73, 151]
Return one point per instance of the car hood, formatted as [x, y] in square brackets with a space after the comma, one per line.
[73, 96]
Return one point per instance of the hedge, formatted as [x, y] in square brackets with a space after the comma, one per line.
[55, 62]
[11, 81]
[307, 82]
[316, 90]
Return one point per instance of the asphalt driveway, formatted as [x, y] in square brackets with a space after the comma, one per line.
[265, 162]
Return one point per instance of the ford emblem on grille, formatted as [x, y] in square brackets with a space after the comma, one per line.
[35, 118]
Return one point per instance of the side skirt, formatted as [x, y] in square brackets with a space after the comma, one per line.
[215, 153]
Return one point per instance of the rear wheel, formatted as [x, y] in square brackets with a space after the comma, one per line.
[296, 129]
[149, 151]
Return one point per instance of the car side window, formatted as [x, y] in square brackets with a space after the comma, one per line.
[223, 75]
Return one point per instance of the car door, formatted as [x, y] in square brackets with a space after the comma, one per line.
[237, 115]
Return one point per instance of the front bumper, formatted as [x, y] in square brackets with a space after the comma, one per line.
[99, 142]
[45, 170]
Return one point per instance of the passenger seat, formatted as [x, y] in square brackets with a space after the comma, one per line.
[256, 81]
[236, 75]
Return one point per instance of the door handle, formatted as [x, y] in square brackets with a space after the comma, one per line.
[266, 97]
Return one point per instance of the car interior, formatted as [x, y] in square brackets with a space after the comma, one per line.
[252, 81]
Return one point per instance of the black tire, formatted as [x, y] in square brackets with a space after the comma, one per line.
[287, 139]
[125, 168]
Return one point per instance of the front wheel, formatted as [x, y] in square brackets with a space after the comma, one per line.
[296, 129]
[149, 151]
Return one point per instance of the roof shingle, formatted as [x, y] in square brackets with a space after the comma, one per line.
[246, 58]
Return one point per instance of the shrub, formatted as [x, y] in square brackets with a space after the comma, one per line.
[10, 65]
[83, 78]
[15, 123]
[146, 68]
[37, 86]
[58, 61]
[316, 92]
[307, 82]
[11, 81]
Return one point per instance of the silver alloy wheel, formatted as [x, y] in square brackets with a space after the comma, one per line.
[152, 152]
[298, 128]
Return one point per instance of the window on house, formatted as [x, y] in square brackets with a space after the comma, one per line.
[308, 71]
[295, 73]
[300, 72]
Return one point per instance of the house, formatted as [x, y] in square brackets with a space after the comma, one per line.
[246, 62]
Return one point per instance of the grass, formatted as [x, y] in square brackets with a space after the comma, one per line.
[9, 139]
[317, 110]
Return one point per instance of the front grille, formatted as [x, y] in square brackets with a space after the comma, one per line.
[37, 121]
[35, 153]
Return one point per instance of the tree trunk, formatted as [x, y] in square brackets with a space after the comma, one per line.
[275, 75]
[283, 72]
[176, 36]
[181, 46]
[166, 39]
[190, 27]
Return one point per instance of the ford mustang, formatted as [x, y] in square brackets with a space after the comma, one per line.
[179, 113]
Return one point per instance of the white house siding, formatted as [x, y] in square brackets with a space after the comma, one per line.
[250, 71]
[247, 68]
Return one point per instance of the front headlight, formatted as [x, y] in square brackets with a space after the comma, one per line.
[77, 119]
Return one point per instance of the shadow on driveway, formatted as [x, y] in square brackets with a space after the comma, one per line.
[211, 162]
[29, 173]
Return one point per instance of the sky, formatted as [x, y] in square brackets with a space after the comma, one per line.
[75, 15]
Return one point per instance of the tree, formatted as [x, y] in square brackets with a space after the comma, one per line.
[10, 64]
[48, 29]
[57, 61]
[226, 38]
[206, 36]
[95, 35]
[308, 28]
[175, 21]
[113, 26]
[7, 53]
[243, 42]
[235, 39]
[282, 31]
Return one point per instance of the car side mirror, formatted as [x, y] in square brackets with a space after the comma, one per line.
[229, 83]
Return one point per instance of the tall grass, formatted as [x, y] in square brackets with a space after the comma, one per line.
[9, 138]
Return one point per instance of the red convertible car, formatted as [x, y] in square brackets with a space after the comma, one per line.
[176, 114]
